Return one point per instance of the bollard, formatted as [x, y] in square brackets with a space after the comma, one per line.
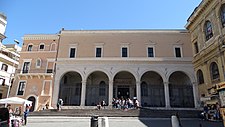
[105, 122]
[94, 121]
[174, 121]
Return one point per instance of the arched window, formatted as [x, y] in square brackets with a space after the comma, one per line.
[29, 47]
[102, 88]
[42, 47]
[208, 30]
[53, 47]
[38, 63]
[4, 67]
[214, 71]
[200, 77]
[222, 15]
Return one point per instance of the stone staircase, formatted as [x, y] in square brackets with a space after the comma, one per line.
[143, 112]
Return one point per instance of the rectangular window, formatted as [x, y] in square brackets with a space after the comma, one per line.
[124, 52]
[178, 52]
[29, 48]
[98, 52]
[72, 52]
[21, 88]
[26, 66]
[196, 47]
[150, 52]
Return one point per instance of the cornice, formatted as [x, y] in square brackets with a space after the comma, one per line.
[123, 31]
[144, 59]
[40, 37]
[199, 10]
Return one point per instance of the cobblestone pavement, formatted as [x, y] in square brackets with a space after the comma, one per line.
[116, 122]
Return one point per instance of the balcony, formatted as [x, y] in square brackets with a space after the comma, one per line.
[35, 72]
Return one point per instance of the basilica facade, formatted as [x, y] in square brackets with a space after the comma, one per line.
[84, 67]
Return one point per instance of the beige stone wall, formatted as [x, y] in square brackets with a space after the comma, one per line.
[136, 41]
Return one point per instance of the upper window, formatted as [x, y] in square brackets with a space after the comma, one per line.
[196, 47]
[4, 67]
[214, 71]
[150, 52]
[177, 52]
[41, 46]
[72, 52]
[38, 63]
[124, 52]
[208, 30]
[200, 77]
[26, 67]
[98, 52]
[29, 48]
[21, 88]
[222, 14]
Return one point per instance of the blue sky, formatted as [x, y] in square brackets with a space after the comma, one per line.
[49, 16]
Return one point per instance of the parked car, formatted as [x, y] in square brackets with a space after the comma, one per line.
[4, 117]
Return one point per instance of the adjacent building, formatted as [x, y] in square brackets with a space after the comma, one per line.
[84, 67]
[9, 60]
[207, 31]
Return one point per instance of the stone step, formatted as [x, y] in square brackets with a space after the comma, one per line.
[152, 113]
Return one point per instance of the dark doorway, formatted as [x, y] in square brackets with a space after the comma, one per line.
[33, 103]
[123, 93]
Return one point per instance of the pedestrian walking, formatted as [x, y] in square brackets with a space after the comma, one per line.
[59, 104]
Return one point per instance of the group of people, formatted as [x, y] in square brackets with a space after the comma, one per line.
[18, 112]
[121, 103]
[212, 112]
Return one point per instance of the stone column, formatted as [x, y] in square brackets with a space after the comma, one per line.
[83, 93]
[167, 95]
[195, 94]
[110, 92]
[55, 93]
[138, 91]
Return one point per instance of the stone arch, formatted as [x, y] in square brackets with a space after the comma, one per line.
[156, 71]
[124, 85]
[181, 90]
[70, 86]
[152, 89]
[126, 70]
[97, 88]
[33, 98]
[100, 70]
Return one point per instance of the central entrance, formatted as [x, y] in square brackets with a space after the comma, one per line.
[124, 85]
[123, 93]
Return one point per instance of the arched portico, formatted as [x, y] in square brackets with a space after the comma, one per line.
[70, 88]
[180, 90]
[152, 90]
[97, 88]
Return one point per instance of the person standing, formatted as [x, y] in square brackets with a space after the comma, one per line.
[25, 115]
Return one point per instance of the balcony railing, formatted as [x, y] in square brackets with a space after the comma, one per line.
[21, 71]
